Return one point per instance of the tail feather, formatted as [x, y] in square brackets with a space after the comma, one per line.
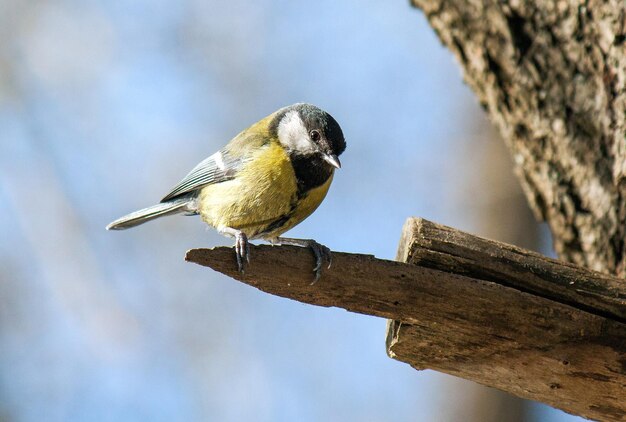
[144, 215]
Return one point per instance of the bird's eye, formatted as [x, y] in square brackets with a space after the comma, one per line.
[315, 135]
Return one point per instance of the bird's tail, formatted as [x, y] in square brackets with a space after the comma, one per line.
[159, 210]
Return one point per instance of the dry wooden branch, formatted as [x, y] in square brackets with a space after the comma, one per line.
[444, 248]
[582, 373]
[543, 339]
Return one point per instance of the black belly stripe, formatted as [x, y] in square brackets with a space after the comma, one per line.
[311, 171]
[276, 224]
[280, 221]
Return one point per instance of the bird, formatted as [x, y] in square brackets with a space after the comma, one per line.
[263, 182]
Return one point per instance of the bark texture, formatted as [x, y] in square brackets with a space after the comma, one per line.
[515, 325]
[552, 77]
[517, 368]
[444, 248]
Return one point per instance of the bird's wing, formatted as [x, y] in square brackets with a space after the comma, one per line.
[217, 168]
[223, 165]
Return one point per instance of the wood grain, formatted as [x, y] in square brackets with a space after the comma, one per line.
[518, 341]
[440, 247]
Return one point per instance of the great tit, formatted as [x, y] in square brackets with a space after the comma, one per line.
[266, 180]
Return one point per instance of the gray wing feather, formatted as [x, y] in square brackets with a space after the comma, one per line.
[217, 168]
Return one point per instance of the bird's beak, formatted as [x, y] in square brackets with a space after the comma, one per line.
[333, 160]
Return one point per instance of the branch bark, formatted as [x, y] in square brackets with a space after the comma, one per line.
[443, 248]
[547, 344]
[552, 76]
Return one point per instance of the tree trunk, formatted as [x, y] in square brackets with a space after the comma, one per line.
[552, 78]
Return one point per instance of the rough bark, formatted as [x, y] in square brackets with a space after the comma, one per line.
[444, 248]
[552, 77]
[466, 321]
[549, 373]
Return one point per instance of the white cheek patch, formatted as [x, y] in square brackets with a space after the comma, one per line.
[292, 133]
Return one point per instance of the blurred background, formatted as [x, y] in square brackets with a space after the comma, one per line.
[105, 105]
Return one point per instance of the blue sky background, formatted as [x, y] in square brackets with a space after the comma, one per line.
[104, 106]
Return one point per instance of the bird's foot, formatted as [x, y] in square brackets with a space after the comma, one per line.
[242, 250]
[321, 252]
[242, 247]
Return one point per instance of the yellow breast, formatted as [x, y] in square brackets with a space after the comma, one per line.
[305, 206]
[262, 200]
